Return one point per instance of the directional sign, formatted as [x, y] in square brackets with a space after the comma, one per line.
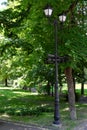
[53, 58]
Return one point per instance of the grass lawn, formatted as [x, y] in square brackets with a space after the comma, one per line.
[22, 106]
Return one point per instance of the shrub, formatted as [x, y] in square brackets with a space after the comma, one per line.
[27, 111]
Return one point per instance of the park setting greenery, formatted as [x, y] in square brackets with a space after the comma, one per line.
[30, 108]
[26, 79]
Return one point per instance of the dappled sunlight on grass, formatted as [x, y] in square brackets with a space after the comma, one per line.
[43, 105]
[25, 93]
[21, 105]
[4, 116]
[66, 109]
[24, 103]
[2, 95]
[76, 105]
[5, 88]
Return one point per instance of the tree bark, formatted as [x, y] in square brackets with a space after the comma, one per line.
[83, 80]
[52, 90]
[6, 82]
[48, 88]
[82, 88]
[71, 94]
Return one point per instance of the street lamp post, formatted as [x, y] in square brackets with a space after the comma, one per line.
[48, 12]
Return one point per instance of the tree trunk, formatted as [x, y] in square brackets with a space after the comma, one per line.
[74, 84]
[82, 88]
[52, 90]
[71, 94]
[83, 80]
[48, 88]
[6, 82]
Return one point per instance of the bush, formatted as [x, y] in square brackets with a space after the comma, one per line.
[27, 111]
[2, 110]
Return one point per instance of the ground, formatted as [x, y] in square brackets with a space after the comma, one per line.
[5, 125]
[82, 126]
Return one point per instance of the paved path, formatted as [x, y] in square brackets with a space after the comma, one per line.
[82, 126]
[15, 126]
[4, 125]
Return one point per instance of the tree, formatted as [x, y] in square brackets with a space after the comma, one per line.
[34, 27]
[13, 47]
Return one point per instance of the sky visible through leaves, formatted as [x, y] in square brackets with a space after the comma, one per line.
[2, 6]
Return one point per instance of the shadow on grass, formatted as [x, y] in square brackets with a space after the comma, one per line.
[36, 108]
[22, 103]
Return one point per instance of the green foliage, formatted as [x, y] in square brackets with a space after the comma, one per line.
[29, 37]
[26, 111]
[21, 103]
[18, 103]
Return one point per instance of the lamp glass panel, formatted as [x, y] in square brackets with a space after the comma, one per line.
[62, 18]
[48, 12]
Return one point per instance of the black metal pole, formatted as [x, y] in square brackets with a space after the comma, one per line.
[56, 107]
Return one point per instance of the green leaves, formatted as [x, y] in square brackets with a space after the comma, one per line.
[30, 36]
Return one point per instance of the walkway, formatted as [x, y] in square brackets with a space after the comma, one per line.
[15, 126]
[82, 126]
[4, 125]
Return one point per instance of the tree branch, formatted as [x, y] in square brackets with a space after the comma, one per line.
[72, 6]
